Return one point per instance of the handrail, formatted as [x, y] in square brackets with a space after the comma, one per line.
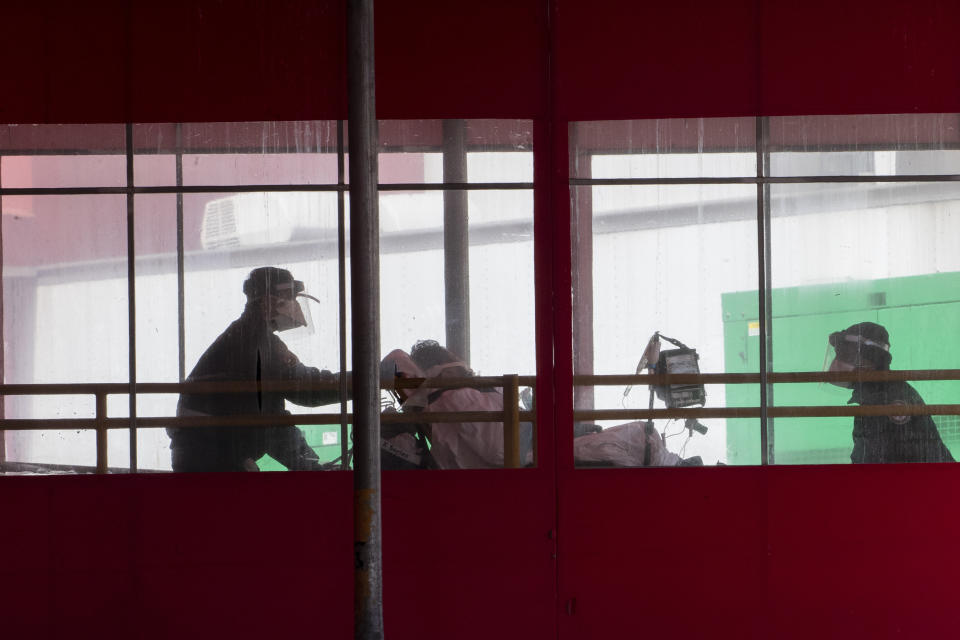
[804, 411]
[244, 386]
[35, 424]
[661, 379]
[510, 416]
[781, 411]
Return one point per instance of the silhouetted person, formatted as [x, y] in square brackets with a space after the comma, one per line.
[452, 445]
[897, 438]
[250, 351]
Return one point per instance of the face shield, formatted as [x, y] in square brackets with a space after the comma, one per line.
[832, 362]
[851, 352]
[289, 311]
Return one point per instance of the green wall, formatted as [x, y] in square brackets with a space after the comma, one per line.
[921, 314]
[314, 434]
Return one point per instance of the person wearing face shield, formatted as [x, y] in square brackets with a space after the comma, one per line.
[878, 439]
[249, 350]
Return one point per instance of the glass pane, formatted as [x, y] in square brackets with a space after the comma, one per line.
[472, 294]
[155, 148]
[455, 151]
[877, 253]
[49, 452]
[64, 274]
[668, 259]
[158, 350]
[237, 153]
[45, 156]
[226, 236]
[153, 448]
[157, 170]
[676, 148]
[865, 145]
[68, 139]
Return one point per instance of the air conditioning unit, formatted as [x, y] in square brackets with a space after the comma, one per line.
[254, 219]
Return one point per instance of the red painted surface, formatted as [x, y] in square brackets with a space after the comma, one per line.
[176, 556]
[717, 552]
[269, 555]
[676, 553]
[858, 56]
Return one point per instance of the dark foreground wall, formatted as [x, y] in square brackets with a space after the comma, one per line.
[726, 553]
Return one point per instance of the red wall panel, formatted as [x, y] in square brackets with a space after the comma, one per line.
[469, 554]
[240, 60]
[160, 556]
[62, 61]
[114, 60]
[209, 60]
[441, 59]
[616, 59]
[860, 56]
[619, 59]
[778, 552]
[863, 551]
[268, 555]
[677, 553]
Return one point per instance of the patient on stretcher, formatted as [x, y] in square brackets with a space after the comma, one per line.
[480, 445]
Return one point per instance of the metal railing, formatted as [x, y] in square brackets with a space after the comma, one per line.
[511, 416]
[101, 423]
[780, 411]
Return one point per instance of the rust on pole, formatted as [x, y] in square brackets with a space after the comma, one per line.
[365, 299]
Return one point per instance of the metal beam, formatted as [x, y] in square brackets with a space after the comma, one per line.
[365, 301]
[456, 240]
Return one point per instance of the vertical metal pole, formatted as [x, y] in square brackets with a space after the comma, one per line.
[456, 240]
[101, 427]
[365, 301]
[3, 349]
[768, 282]
[342, 296]
[181, 280]
[763, 284]
[511, 422]
[131, 301]
[581, 258]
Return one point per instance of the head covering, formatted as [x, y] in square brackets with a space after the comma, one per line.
[398, 364]
[272, 281]
[430, 355]
[863, 341]
[276, 292]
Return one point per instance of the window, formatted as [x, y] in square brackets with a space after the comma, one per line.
[751, 242]
[125, 249]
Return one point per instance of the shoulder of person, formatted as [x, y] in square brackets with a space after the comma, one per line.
[281, 352]
[910, 395]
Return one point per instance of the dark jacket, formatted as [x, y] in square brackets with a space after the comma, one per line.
[905, 438]
[247, 351]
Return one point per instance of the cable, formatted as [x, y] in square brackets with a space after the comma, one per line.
[683, 448]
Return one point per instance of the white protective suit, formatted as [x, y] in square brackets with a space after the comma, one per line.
[464, 445]
[624, 445]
